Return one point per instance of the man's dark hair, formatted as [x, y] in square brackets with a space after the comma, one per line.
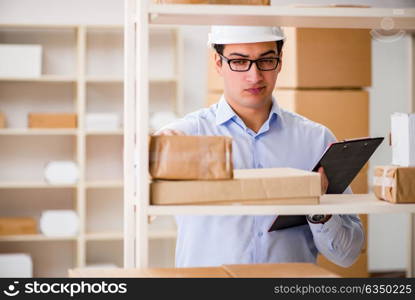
[220, 47]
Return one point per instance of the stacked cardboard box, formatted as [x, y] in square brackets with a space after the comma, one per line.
[323, 78]
[215, 81]
[249, 186]
[198, 170]
[52, 120]
[191, 157]
[287, 270]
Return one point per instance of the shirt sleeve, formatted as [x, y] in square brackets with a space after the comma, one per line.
[341, 238]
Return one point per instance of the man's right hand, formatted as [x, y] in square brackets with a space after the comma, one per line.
[170, 132]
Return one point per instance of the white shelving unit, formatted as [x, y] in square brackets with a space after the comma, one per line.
[139, 15]
[82, 69]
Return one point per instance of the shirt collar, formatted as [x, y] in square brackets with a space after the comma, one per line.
[225, 112]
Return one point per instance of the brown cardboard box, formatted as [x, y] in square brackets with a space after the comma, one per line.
[191, 157]
[46, 120]
[331, 108]
[2, 120]
[238, 271]
[215, 81]
[212, 98]
[344, 112]
[358, 269]
[17, 225]
[395, 184]
[151, 272]
[360, 186]
[283, 270]
[325, 58]
[364, 220]
[249, 186]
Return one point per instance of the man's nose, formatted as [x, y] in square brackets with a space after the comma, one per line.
[254, 74]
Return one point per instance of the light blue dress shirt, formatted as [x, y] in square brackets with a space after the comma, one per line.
[286, 139]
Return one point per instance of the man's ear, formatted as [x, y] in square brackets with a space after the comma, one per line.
[280, 63]
[218, 63]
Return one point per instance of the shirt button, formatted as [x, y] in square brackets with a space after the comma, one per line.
[260, 233]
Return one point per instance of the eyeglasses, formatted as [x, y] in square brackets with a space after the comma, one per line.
[244, 64]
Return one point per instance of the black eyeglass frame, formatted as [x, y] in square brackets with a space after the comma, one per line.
[251, 61]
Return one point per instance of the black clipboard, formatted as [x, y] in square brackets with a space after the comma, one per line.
[341, 161]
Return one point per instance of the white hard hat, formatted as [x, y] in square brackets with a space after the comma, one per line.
[244, 34]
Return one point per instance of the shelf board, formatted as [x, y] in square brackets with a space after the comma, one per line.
[30, 131]
[322, 17]
[33, 185]
[43, 78]
[100, 79]
[35, 238]
[329, 204]
[111, 236]
[104, 184]
[121, 80]
[105, 132]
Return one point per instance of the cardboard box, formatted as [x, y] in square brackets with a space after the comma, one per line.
[21, 61]
[395, 184]
[325, 58]
[282, 270]
[344, 112]
[17, 225]
[365, 224]
[2, 120]
[229, 271]
[215, 81]
[46, 120]
[357, 270]
[360, 186]
[249, 186]
[191, 157]
[212, 98]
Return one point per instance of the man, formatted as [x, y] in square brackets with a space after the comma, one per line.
[264, 136]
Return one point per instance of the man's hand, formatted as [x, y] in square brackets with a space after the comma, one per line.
[324, 181]
[170, 132]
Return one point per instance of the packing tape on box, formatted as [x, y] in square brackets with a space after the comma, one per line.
[384, 182]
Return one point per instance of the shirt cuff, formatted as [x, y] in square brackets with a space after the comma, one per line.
[332, 225]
